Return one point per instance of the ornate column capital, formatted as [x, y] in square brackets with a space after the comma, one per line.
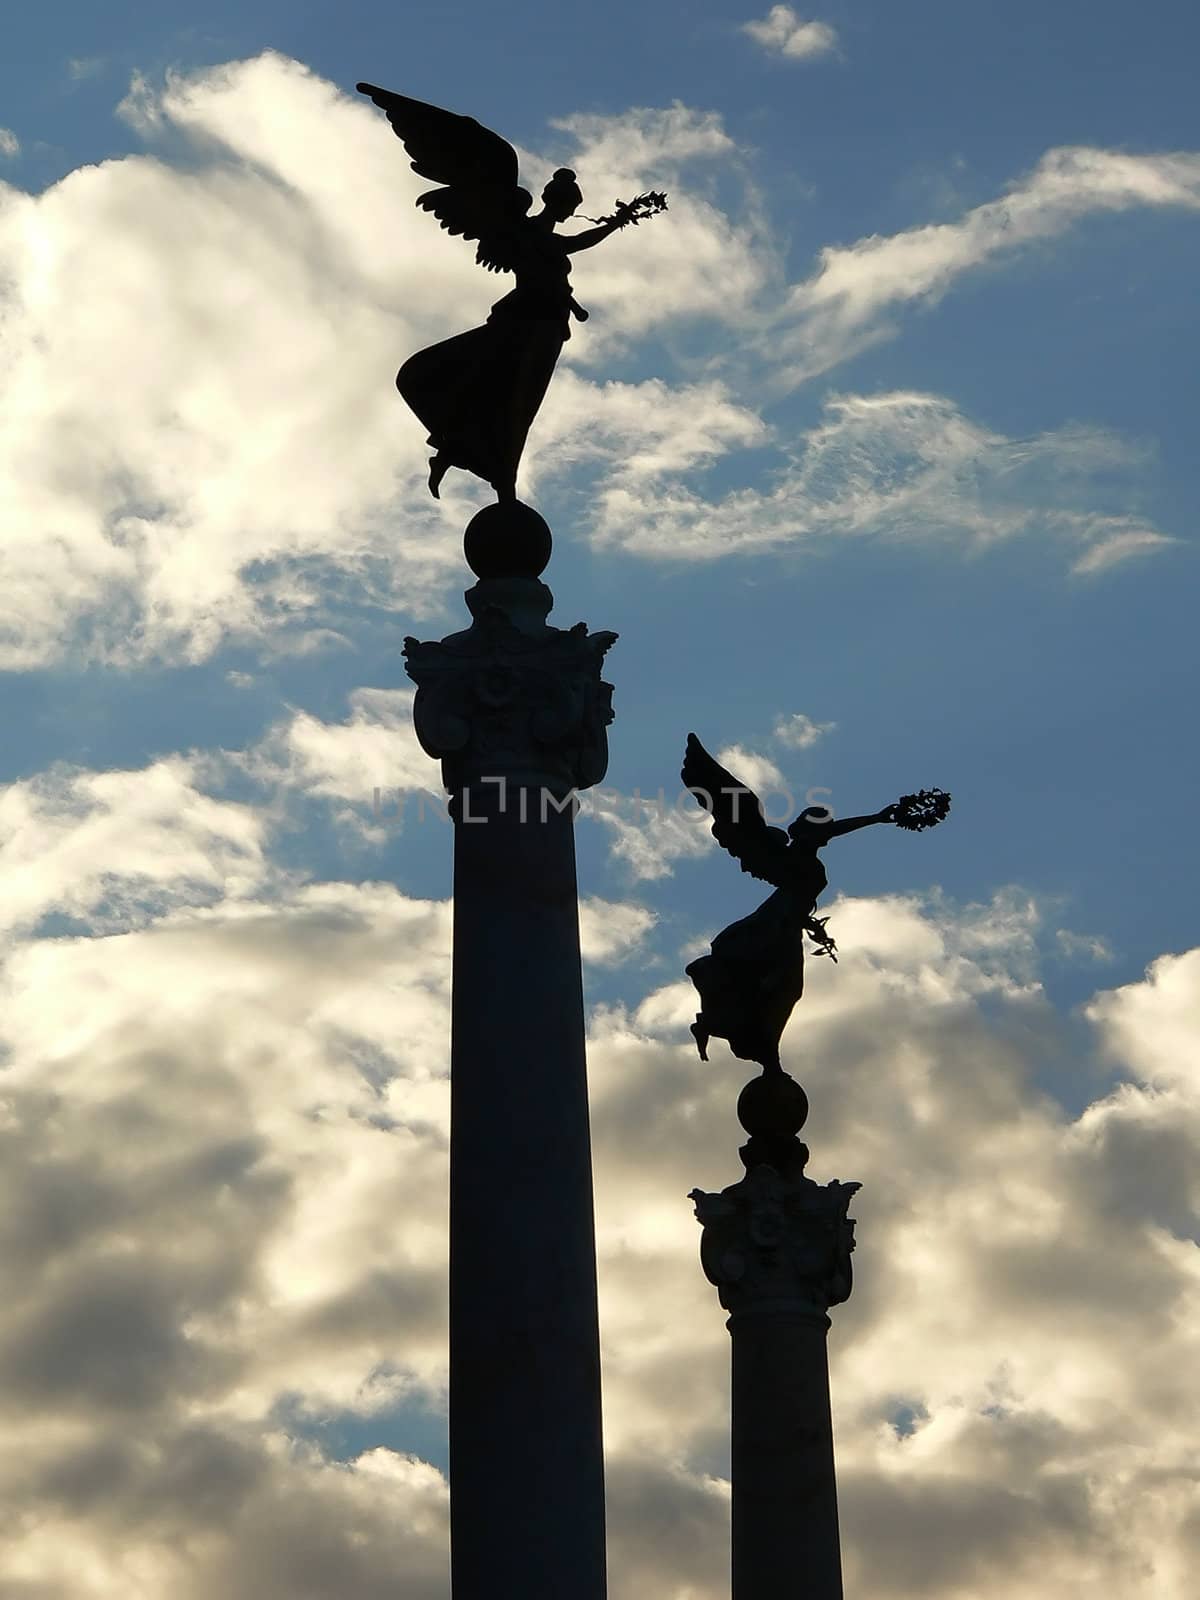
[777, 1244]
[512, 700]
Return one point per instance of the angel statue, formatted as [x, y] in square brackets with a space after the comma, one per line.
[478, 393]
[755, 974]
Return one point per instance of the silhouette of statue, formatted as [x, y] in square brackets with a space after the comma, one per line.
[479, 392]
[752, 980]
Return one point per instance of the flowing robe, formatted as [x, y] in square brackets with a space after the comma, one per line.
[478, 393]
[751, 982]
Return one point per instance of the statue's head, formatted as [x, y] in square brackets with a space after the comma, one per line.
[811, 827]
[562, 196]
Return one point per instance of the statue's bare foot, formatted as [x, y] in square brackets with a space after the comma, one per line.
[701, 1035]
[438, 468]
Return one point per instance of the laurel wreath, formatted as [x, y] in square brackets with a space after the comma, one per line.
[925, 809]
[642, 205]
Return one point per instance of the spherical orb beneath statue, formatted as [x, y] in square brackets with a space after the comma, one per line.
[507, 540]
[773, 1104]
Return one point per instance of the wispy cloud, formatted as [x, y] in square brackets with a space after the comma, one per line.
[844, 306]
[901, 466]
[1114, 548]
[784, 33]
[10, 145]
[81, 68]
[1082, 946]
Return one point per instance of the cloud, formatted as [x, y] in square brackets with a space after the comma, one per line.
[222, 1232]
[241, 466]
[224, 1110]
[650, 833]
[377, 780]
[1114, 548]
[699, 264]
[10, 145]
[1083, 946]
[1152, 1024]
[782, 31]
[244, 466]
[847, 304]
[902, 466]
[115, 849]
[80, 68]
[206, 442]
[976, 1452]
[800, 732]
[611, 932]
[759, 771]
[378, 742]
[191, 1231]
[367, 767]
[970, 482]
[640, 432]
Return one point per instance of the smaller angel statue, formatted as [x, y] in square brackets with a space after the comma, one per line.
[751, 982]
[478, 393]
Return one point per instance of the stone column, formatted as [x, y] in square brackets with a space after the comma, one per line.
[517, 712]
[777, 1246]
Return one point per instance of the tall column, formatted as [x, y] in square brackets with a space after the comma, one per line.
[517, 712]
[777, 1246]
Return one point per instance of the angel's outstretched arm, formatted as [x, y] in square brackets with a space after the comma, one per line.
[852, 824]
[584, 241]
[627, 211]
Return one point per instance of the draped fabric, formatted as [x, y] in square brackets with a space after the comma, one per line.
[753, 978]
[479, 392]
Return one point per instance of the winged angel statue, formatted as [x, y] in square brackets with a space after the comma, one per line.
[479, 392]
[752, 980]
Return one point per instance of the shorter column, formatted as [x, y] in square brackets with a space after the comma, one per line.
[777, 1246]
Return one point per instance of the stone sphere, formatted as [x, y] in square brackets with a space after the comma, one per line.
[507, 540]
[774, 1104]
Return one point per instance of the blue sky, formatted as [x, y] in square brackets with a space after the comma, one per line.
[878, 454]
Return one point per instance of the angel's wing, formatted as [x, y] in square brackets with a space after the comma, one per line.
[482, 199]
[739, 825]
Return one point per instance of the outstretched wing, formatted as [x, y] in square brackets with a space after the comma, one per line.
[482, 199]
[739, 825]
[446, 147]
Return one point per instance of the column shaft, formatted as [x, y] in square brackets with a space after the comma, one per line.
[785, 1525]
[526, 1458]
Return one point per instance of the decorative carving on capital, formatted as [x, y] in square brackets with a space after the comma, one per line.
[772, 1243]
[510, 699]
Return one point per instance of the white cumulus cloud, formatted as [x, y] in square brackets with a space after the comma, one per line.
[800, 732]
[782, 31]
[115, 847]
[206, 443]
